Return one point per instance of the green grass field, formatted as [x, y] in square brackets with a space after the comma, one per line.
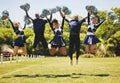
[59, 70]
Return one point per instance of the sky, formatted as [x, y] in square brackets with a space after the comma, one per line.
[76, 6]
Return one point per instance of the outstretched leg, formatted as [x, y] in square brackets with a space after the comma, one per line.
[93, 49]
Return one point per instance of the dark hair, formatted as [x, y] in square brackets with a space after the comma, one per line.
[37, 15]
[55, 21]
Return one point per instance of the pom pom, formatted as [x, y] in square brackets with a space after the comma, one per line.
[27, 20]
[92, 9]
[42, 15]
[25, 7]
[54, 10]
[111, 15]
[45, 12]
[5, 14]
[58, 8]
[66, 10]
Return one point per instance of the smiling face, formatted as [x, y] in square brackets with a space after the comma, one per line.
[55, 23]
[94, 20]
[75, 17]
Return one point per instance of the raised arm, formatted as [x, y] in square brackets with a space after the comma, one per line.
[11, 22]
[12, 25]
[96, 26]
[100, 23]
[88, 19]
[28, 15]
[51, 17]
[50, 21]
[62, 22]
[63, 16]
[15, 29]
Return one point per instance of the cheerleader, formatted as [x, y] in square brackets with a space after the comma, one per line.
[39, 27]
[20, 41]
[74, 39]
[57, 41]
[91, 39]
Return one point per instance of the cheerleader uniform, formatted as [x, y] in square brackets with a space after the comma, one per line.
[20, 40]
[91, 38]
[74, 38]
[58, 40]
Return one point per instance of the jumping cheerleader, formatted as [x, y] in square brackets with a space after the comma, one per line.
[20, 41]
[91, 39]
[57, 41]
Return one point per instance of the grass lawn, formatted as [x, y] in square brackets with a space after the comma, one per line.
[59, 70]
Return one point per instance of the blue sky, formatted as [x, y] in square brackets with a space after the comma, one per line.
[76, 6]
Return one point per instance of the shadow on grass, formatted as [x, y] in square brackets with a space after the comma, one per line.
[73, 75]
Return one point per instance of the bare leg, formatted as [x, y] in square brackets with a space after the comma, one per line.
[15, 50]
[24, 52]
[52, 51]
[87, 48]
[93, 48]
[63, 50]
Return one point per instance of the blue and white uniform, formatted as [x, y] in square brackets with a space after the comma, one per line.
[91, 38]
[21, 39]
[74, 39]
[58, 40]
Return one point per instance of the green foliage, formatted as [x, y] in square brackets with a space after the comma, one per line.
[6, 36]
[108, 33]
[102, 14]
[117, 35]
[83, 29]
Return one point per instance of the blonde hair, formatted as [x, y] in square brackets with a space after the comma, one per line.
[16, 24]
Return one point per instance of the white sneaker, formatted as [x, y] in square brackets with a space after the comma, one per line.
[71, 62]
[76, 62]
[49, 46]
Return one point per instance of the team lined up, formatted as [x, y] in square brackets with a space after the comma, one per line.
[58, 40]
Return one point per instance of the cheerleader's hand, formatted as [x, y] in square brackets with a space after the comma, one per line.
[61, 13]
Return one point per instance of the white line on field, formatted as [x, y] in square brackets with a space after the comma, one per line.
[16, 71]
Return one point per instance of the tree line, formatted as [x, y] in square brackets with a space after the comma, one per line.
[109, 34]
